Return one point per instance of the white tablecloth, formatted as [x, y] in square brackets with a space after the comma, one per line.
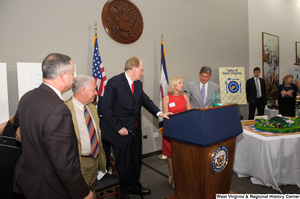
[270, 161]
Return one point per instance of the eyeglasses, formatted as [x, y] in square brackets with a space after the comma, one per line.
[140, 69]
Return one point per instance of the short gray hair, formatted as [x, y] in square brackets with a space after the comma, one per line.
[55, 64]
[81, 81]
[205, 69]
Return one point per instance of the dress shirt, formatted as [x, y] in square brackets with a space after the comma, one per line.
[84, 134]
[128, 80]
[55, 90]
[206, 87]
[131, 82]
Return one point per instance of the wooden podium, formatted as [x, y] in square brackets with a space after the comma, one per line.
[203, 144]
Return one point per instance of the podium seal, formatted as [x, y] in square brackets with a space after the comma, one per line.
[219, 159]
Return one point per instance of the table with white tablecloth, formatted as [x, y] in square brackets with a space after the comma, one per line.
[268, 160]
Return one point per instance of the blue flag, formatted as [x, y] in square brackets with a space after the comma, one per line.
[164, 82]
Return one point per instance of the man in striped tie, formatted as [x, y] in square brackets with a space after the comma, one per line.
[86, 124]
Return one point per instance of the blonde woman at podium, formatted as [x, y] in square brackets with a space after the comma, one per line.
[174, 102]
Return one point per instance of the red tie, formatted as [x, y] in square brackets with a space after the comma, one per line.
[132, 88]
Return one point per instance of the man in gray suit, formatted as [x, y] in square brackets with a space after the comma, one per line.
[200, 91]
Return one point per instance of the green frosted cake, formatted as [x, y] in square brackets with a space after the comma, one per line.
[278, 125]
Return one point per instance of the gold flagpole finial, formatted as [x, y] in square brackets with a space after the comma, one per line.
[162, 37]
[95, 28]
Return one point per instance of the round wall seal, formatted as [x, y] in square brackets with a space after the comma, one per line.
[219, 159]
[122, 20]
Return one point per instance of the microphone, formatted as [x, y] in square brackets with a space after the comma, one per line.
[193, 98]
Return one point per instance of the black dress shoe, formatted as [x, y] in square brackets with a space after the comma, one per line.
[144, 191]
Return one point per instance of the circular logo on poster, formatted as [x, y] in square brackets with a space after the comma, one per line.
[122, 20]
[233, 87]
[219, 159]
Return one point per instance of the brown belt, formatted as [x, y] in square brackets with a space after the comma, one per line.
[86, 156]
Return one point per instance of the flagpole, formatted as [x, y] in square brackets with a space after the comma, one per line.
[98, 69]
[161, 156]
[95, 28]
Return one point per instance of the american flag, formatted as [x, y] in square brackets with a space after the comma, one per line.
[98, 69]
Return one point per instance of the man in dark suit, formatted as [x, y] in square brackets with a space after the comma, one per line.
[49, 165]
[256, 97]
[121, 106]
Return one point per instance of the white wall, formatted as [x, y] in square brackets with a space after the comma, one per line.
[196, 33]
[277, 17]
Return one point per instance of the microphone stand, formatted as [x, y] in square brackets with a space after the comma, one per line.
[192, 97]
[241, 117]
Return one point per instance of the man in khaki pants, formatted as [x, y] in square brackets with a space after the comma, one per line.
[84, 89]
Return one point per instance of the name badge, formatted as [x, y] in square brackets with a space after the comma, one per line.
[172, 104]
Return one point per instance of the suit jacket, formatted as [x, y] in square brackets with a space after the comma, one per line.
[101, 157]
[49, 165]
[251, 90]
[121, 109]
[194, 92]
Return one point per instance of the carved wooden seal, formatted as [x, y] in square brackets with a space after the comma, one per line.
[122, 20]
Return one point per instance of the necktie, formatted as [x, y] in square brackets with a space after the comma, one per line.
[203, 94]
[92, 133]
[257, 89]
[132, 88]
